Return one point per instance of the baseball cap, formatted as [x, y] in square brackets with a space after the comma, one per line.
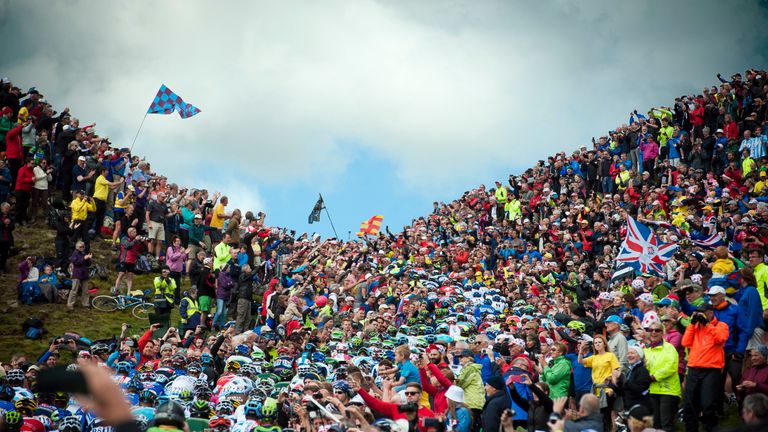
[716, 289]
[198, 216]
[81, 158]
[466, 353]
[614, 319]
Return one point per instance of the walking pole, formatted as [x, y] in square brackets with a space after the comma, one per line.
[137, 132]
[329, 217]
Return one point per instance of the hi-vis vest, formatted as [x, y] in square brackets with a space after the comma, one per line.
[501, 195]
[192, 308]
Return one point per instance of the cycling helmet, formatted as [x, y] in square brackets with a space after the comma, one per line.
[386, 425]
[15, 377]
[200, 409]
[206, 359]
[170, 414]
[124, 367]
[26, 406]
[225, 407]
[185, 396]
[147, 376]
[242, 350]
[220, 423]
[269, 409]
[194, 367]
[99, 349]
[252, 408]
[577, 325]
[249, 369]
[46, 421]
[70, 424]
[13, 420]
[148, 396]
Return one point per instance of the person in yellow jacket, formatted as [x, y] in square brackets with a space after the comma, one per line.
[164, 288]
[514, 209]
[80, 206]
[189, 311]
[623, 178]
[761, 274]
[221, 253]
[501, 200]
[661, 360]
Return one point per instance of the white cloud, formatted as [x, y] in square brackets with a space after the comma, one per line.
[447, 90]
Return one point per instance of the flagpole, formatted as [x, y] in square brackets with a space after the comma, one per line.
[137, 132]
[329, 216]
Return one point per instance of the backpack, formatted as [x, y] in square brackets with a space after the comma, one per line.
[97, 270]
[143, 265]
[154, 264]
[29, 293]
[33, 328]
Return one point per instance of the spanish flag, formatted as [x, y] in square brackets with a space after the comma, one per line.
[371, 226]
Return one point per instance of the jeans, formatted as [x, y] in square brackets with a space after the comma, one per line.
[606, 184]
[702, 392]
[220, 318]
[664, 411]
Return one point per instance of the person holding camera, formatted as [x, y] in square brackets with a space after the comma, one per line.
[164, 292]
[80, 206]
[705, 338]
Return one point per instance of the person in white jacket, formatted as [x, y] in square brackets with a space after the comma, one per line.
[43, 176]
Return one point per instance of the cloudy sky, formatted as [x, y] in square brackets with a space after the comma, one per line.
[383, 106]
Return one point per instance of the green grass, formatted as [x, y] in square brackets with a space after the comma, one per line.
[39, 240]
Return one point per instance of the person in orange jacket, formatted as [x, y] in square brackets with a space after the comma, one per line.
[705, 338]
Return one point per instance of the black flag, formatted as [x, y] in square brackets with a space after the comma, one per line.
[315, 215]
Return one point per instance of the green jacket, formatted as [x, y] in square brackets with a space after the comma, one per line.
[661, 362]
[558, 377]
[6, 124]
[472, 382]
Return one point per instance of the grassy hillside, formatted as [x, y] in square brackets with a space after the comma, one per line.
[38, 240]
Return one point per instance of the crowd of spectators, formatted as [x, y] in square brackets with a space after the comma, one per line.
[500, 310]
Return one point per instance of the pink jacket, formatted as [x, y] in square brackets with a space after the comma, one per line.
[650, 150]
[175, 257]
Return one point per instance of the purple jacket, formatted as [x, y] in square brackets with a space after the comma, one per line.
[80, 265]
[759, 376]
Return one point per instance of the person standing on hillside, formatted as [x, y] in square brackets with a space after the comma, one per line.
[157, 211]
[218, 216]
[501, 201]
[25, 181]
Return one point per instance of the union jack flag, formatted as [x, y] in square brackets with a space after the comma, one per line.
[642, 250]
[709, 242]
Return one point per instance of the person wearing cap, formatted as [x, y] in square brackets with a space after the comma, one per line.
[742, 319]
[458, 417]
[497, 402]
[640, 418]
[471, 381]
[636, 381]
[705, 339]
[81, 175]
[189, 310]
[617, 342]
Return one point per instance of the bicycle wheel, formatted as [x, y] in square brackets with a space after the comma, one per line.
[104, 303]
[142, 310]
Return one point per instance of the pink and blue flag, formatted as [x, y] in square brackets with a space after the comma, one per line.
[642, 250]
[166, 102]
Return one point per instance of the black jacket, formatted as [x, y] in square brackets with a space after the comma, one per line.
[538, 411]
[591, 422]
[635, 386]
[494, 406]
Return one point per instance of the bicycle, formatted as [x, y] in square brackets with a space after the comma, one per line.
[110, 303]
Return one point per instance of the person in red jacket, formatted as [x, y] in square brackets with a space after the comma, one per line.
[410, 410]
[705, 338]
[437, 392]
[14, 152]
[25, 180]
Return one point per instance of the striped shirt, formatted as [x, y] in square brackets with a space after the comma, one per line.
[755, 145]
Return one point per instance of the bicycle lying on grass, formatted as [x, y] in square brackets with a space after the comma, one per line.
[136, 300]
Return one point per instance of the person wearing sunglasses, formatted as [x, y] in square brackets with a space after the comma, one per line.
[661, 360]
